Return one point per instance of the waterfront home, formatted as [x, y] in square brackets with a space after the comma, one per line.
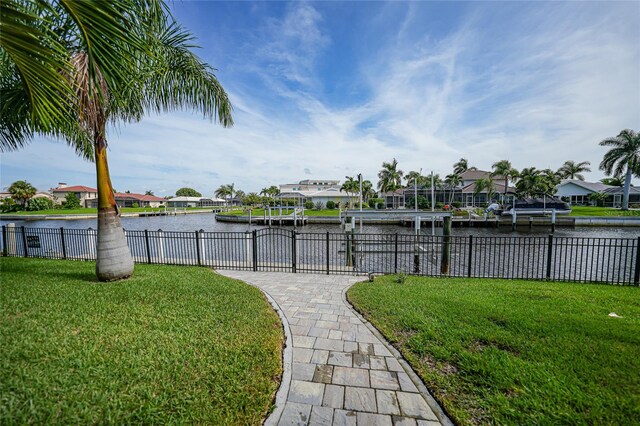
[576, 192]
[128, 199]
[195, 202]
[85, 194]
[310, 185]
[615, 194]
[323, 196]
[471, 176]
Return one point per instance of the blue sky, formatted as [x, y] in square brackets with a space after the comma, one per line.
[324, 90]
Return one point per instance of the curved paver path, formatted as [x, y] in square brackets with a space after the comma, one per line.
[342, 371]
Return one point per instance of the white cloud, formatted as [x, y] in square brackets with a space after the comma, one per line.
[542, 89]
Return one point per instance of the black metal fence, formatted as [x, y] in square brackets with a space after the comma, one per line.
[603, 260]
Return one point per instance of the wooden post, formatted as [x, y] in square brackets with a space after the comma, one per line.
[446, 246]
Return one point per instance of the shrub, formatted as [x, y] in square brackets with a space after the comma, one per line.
[308, 205]
[423, 203]
[7, 205]
[373, 202]
[291, 203]
[439, 206]
[331, 205]
[71, 201]
[456, 204]
[319, 205]
[135, 205]
[40, 203]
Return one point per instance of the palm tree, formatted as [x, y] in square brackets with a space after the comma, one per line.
[97, 63]
[225, 191]
[367, 190]
[452, 181]
[613, 181]
[505, 169]
[485, 184]
[573, 170]
[530, 182]
[549, 181]
[351, 187]
[22, 191]
[149, 192]
[623, 157]
[461, 166]
[416, 178]
[390, 178]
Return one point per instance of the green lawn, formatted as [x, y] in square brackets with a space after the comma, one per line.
[170, 345]
[95, 211]
[601, 211]
[515, 352]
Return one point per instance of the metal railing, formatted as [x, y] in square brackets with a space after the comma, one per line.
[602, 260]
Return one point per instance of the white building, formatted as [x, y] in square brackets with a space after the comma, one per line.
[310, 185]
[83, 193]
[577, 192]
[195, 202]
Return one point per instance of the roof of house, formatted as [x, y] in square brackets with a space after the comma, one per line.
[498, 189]
[620, 190]
[479, 174]
[590, 186]
[75, 188]
[331, 193]
[183, 198]
[138, 197]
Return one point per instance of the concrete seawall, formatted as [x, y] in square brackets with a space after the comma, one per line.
[571, 221]
[94, 215]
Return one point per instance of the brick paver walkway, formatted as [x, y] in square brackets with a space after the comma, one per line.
[340, 373]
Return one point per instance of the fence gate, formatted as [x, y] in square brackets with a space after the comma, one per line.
[274, 250]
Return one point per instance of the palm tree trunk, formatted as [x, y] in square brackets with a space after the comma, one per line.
[114, 259]
[627, 186]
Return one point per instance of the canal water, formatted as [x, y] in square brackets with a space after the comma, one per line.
[207, 222]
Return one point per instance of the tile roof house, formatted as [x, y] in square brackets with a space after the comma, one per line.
[84, 193]
[125, 199]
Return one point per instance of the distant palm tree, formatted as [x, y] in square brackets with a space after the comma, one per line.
[505, 169]
[352, 187]
[573, 170]
[461, 166]
[225, 191]
[530, 182]
[613, 181]
[367, 190]
[485, 184]
[452, 181]
[550, 180]
[21, 191]
[148, 192]
[390, 178]
[415, 178]
[623, 157]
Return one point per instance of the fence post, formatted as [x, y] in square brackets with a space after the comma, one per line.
[198, 248]
[294, 253]
[4, 240]
[11, 242]
[395, 260]
[24, 242]
[470, 256]
[549, 255]
[63, 243]
[446, 246]
[146, 241]
[255, 250]
[636, 276]
[327, 252]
